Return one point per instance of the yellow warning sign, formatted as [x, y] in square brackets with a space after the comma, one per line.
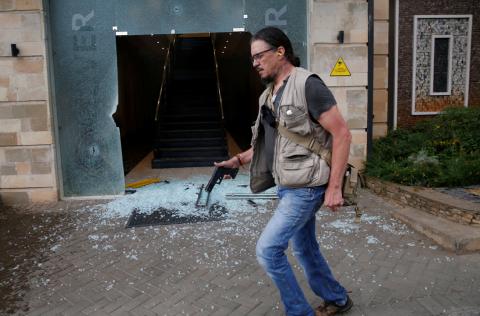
[340, 69]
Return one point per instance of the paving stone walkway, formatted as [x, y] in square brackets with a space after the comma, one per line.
[95, 266]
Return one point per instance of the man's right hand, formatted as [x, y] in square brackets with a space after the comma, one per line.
[230, 163]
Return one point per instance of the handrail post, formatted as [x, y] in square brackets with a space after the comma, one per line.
[166, 69]
[218, 77]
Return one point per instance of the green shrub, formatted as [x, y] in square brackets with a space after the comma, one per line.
[443, 151]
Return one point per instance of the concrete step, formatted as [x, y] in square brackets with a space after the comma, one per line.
[452, 236]
[430, 201]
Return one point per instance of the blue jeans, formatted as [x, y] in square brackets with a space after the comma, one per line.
[294, 219]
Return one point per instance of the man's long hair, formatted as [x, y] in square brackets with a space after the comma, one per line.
[276, 38]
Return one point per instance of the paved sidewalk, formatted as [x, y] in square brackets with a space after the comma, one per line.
[95, 266]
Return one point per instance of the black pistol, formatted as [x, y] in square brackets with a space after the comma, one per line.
[218, 174]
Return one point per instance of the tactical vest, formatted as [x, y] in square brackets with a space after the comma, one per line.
[294, 165]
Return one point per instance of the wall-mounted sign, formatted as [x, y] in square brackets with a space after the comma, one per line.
[340, 69]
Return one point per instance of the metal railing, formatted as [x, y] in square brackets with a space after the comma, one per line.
[166, 73]
[218, 77]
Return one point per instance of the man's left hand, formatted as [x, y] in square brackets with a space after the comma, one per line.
[333, 198]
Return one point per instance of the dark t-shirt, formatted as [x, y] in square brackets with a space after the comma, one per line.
[319, 100]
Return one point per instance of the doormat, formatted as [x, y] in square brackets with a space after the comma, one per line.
[163, 216]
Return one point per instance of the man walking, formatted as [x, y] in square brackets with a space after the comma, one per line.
[300, 143]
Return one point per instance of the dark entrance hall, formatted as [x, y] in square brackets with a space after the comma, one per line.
[190, 99]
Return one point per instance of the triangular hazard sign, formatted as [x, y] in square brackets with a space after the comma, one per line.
[340, 69]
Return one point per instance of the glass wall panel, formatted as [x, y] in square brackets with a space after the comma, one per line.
[84, 69]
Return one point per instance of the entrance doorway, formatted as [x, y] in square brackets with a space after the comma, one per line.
[184, 100]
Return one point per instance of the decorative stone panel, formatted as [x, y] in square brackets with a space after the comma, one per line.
[426, 28]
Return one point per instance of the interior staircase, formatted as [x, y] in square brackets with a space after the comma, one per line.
[190, 130]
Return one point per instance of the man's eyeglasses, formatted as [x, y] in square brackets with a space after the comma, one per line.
[259, 56]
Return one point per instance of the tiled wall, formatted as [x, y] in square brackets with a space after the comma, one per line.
[327, 18]
[27, 170]
[380, 65]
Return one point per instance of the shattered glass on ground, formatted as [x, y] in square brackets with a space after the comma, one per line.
[92, 264]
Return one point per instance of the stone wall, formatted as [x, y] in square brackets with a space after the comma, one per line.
[428, 200]
[27, 170]
[407, 10]
[327, 18]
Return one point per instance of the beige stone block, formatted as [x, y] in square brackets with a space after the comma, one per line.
[35, 138]
[3, 94]
[26, 181]
[28, 4]
[359, 137]
[352, 103]
[29, 87]
[6, 111]
[6, 5]
[10, 20]
[33, 35]
[6, 66]
[38, 93]
[10, 197]
[10, 125]
[379, 130]
[380, 9]
[380, 105]
[29, 65]
[357, 107]
[8, 139]
[12, 36]
[34, 109]
[358, 148]
[43, 195]
[7, 170]
[23, 168]
[358, 151]
[31, 20]
[380, 72]
[38, 125]
[357, 162]
[325, 57]
[41, 168]
[329, 17]
[3, 160]
[26, 48]
[32, 48]
[12, 95]
[42, 154]
[17, 154]
[381, 37]
[4, 81]
[355, 80]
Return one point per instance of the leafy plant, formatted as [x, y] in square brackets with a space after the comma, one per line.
[443, 151]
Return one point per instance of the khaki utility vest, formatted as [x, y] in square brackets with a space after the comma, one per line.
[294, 165]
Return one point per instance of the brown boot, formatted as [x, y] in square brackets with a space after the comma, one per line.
[330, 308]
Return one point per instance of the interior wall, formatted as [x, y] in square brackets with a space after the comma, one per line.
[239, 84]
[140, 69]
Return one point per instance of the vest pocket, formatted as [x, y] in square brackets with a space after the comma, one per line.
[296, 174]
[295, 119]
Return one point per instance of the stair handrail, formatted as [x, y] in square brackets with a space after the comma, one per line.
[166, 71]
[218, 77]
